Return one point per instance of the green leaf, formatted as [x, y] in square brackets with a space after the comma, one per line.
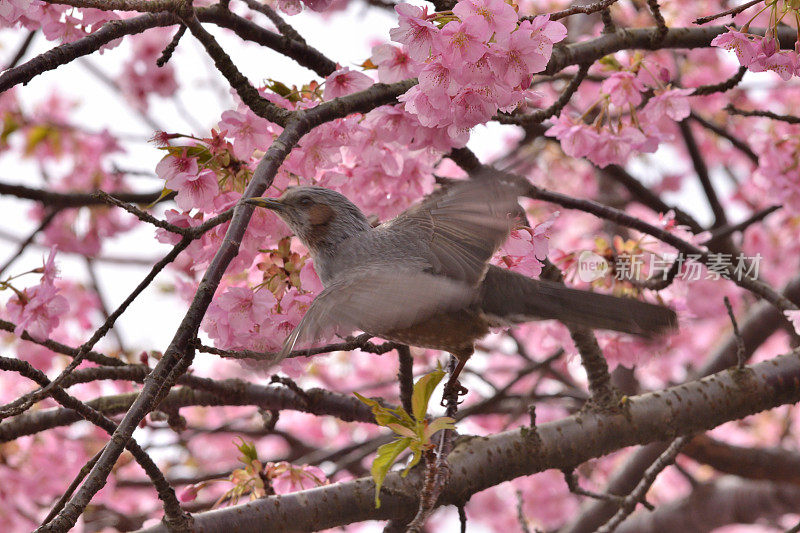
[10, 125]
[402, 430]
[164, 193]
[387, 454]
[423, 390]
[279, 88]
[414, 460]
[443, 422]
[40, 134]
[384, 415]
[248, 449]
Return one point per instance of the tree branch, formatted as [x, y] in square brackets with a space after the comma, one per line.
[684, 409]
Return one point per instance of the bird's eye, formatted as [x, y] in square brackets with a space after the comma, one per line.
[305, 201]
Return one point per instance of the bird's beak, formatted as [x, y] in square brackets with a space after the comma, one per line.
[269, 203]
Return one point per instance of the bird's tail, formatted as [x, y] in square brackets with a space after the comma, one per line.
[509, 297]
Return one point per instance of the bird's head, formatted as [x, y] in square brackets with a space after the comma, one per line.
[320, 217]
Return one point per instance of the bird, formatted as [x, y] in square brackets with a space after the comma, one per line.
[424, 279]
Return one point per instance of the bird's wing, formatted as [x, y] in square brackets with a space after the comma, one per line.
[461, 226]
[377, 300]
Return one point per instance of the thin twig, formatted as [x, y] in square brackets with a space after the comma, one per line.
[166, 55]
[102, 301]
[73, 486]
[74, 199]
[23, 48]
[740, 351]
[143, 215]
[123, 5]
[586, 10]
[791, 119]
[722, 87]
[661, 24]
[700, 168]
[24, 402]
[647, 197]
[249, 95]
[732, 11]
[57, 347]
[361, 342]
[523, 522]
[48, 218]
[437, 469]
[174, 515]
[284, 27]
[638, 494]
[572, 483]
[725, 134]
[555, 108]
[725, 231]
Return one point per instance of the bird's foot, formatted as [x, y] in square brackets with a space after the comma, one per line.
[452, 390]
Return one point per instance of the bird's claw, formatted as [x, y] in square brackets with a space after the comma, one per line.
[452, 390]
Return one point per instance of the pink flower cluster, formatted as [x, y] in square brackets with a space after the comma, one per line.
[38, 309]
[81, 162]
[760, 54]
[345, 81]
[141, 76]
[526, 248]
[478, 62]
[778, 162]
[294, 7]
[196, 188]
[58, 22]
[619, 129]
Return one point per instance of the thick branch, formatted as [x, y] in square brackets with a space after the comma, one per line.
[760, 323]
[482, 462]
[197, 392]
[771, 464]
[716, 504]
[74, 199]
[643, 38]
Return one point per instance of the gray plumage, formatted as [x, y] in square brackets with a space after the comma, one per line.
[423, 278]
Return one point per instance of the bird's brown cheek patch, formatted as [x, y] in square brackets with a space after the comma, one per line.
[319, 215]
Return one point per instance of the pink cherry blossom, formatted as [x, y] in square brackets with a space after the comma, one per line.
[394, 64]
[172, 166]
[516, 57]
[13, 10]
[437, 82]
[783, 63]
[577, 139]
[318, 5]
[415, 31]
[237, 314]
[526, 248]
[672, 103]
[38, 309]
[741, 43]
[500, 17]
[345, 81]
[195, 190]
[623, 88]
[462, 42]
[249, 131]
[615, 147]
[292, 478]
